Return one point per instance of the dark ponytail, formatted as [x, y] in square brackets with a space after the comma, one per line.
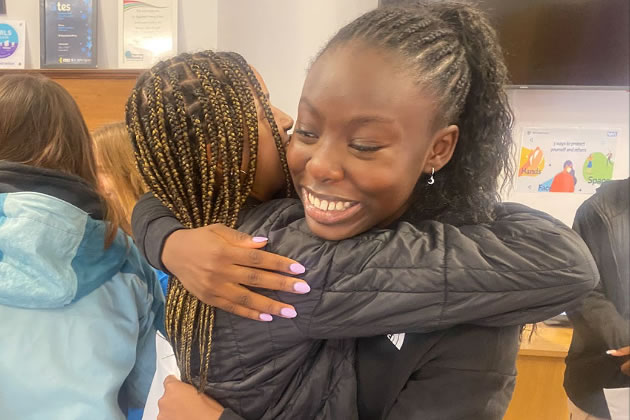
[455, 55]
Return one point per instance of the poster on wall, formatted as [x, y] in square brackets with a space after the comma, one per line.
[569, 160]
[12, 44]
[147, 32]
[68, 33]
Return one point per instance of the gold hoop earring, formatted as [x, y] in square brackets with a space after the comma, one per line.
[431, 180]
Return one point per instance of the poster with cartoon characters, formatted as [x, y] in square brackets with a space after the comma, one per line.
[569, 160]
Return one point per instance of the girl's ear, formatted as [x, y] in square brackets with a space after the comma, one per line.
[443, 146]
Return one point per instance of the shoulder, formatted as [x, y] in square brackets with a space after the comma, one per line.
[272, 213]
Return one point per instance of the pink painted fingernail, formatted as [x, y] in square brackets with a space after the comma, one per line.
[297, 268]
[288, 313]
[266, 317]
[301, 287]
[259, 239]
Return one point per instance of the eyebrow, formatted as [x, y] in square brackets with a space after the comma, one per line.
[358, 120]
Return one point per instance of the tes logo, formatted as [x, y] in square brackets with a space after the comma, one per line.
[64, 7]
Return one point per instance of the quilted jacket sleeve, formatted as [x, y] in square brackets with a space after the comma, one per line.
[524, 267]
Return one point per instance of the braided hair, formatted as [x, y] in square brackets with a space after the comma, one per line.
[452, 51]
[189, 119]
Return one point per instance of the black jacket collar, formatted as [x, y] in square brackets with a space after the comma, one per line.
[16, 177]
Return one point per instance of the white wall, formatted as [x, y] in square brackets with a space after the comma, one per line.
[197, 28]
[279, 37]
[570, 108]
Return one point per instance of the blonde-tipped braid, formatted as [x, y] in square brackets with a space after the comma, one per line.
[189, 119]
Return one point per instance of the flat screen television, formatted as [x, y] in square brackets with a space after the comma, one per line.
[561, 43]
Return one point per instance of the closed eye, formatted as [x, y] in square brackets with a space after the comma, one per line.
[304, 133]
[364, 148]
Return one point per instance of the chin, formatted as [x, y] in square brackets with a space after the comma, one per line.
[332, 232]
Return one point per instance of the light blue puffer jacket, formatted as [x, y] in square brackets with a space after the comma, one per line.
[77, 321]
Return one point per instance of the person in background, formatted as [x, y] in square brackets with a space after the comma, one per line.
[122, 186]
[118, 176]
[79, 305]
[602, 322]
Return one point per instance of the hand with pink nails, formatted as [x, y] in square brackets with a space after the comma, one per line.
[215, 262]
[622, 352]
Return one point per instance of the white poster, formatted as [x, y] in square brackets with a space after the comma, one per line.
[147, 32]
[12, 44]
[570, 160]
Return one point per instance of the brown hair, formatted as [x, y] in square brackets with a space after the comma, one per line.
[115, 158]
[178, 111]
[41, 126]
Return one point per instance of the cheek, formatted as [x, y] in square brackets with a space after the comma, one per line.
[297, 156]
[389, 180]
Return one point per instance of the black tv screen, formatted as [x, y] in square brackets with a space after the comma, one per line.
[561, 42]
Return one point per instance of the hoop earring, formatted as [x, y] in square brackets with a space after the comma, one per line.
[431, 180]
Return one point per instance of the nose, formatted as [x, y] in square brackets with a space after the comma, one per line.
[325, 166]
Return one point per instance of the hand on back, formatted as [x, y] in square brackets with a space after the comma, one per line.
[215, 263]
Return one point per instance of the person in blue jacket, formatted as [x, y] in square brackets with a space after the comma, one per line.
[79, 305]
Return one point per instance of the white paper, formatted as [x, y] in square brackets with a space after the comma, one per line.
[165, 366]
[12, 44]
[147, 32]
[618, 400]
[570, 160]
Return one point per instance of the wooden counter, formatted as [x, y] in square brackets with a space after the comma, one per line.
[539, 394]
[100, 94]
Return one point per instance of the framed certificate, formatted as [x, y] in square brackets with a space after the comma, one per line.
[68, 33]
[147, 32]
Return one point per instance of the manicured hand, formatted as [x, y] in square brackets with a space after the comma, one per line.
[215, 262]
[624, 351]
[181, 401]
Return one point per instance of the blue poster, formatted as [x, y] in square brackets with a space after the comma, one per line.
[68, 33]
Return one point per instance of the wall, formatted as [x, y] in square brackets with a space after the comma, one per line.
[280, 37]
[197, 23]
[570, 108]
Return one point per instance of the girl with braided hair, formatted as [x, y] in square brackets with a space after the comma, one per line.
[403, 130]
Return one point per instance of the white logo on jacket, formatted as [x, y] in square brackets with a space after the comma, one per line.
[397, 339]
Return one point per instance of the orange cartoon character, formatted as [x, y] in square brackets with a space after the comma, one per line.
[564, 181]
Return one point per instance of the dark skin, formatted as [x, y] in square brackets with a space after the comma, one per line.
[354, 141]
[622, 352]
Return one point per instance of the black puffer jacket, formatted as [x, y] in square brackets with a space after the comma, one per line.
[524, 267]
[602, 321]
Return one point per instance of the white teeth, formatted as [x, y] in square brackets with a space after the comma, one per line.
[326, 205]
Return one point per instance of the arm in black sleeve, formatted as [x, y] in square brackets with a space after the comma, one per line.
[524, 267]
[152, 223]
[596, 311]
